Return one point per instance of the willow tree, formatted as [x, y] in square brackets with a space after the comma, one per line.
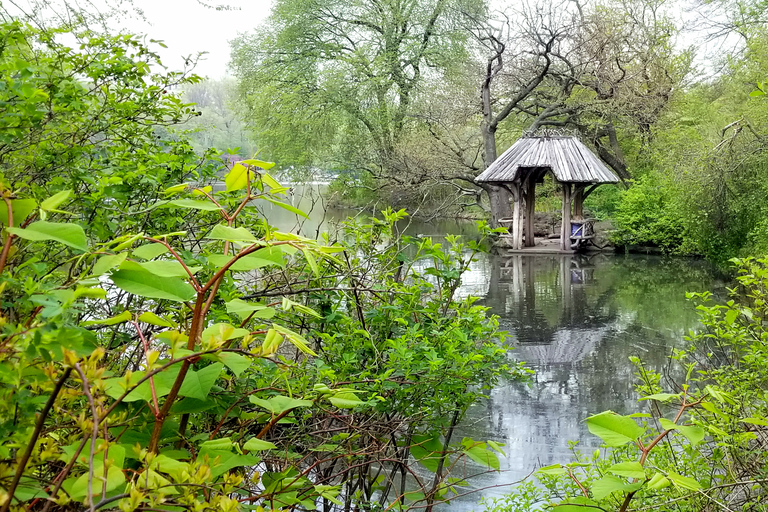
[334, 81]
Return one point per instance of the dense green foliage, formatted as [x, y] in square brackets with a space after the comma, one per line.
[163, 348]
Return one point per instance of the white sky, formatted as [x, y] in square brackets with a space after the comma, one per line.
[187, 27]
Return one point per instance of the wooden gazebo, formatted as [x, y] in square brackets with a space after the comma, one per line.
[573, 165]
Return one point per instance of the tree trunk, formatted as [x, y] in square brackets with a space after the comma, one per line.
[500, 202]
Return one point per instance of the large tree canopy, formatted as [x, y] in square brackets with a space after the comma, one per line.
[326, 70]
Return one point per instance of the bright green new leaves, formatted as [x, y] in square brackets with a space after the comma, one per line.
[64, 233]
[661, 397]
[194, 204]
[21, 209]
[694, 434]
[295, 338]
[237, 177]
[255, 445]
[151, 318]
[78, 488]
[114, 320]
[684, 482]
[610, 484]
[279, 404]
[628, 469]
[235, 362]
[223, 232]
[658, 482]
[218, 333]
[613, 429]
[52, 203]
[165, 268]
[146, 284]
[345, 399]
[480, 453]
[149, 251]
[286, 206]
[197, 384]
[245, 309]
[107, 262]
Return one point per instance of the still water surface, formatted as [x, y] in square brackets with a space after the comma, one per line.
[575, 320]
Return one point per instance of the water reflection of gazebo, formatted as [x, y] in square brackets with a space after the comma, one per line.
[572, 164]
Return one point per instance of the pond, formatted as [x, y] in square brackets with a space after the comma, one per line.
[576, 321]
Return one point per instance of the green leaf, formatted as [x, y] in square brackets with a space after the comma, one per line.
[628, 469]
[255, 444]
[480, 453]
[684, 482]
[694, 434]
[55, 200]
[613, 429]
[552, 470]
[235, 362]
[311, 261]
[108, 262]
[258, 163]
[657, 482]
[117, 319]
[166, 268]
[244, 309]
[151, 318]
[222, 332]
[237, 177]
[21, 210]
[149, 251]
[278, 404]
[286, 206]
[297, 340]
[224, 232]
[243, 264]
[62, 232]
[195, 204]
[175, 189]
[731, 316]
[496, 446]
[345, 400]
[198, 384]
[269, 180]
[610, 484]
[79, 487]
[148, 285]
[427, 450]
[661, 397]
[755, 421]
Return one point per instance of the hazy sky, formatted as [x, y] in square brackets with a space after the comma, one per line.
[187, 27]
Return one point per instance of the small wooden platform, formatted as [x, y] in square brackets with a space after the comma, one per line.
[542, 246]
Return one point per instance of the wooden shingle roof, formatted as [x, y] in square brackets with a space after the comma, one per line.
[567, 157]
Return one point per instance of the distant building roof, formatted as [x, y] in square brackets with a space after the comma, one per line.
[567, 157]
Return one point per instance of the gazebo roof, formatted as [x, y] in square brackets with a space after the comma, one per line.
[567, 157]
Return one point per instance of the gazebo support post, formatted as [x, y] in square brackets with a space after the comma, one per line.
[578, 200]
[530, 209]
[565, 229]
[517, 217]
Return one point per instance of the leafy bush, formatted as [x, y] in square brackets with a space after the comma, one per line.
[163, 347]
[647, 214]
